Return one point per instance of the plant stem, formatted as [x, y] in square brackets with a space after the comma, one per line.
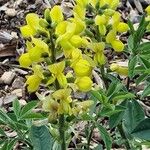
[62, 131]
[123, 135]
[61, 117]
[103, 76]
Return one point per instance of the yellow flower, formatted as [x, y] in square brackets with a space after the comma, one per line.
[122, 27]
[121, 70]
[56, 14]
[30, 29]
[82, 68]
[148, 10]
[116, 19]
[84, 83]
[117, 45]
[114, 4]
[61, 28]
[33, 82]
[100, 58]
[111, 36]
[97, 47]
[57, 69]
[100, 20]
[25, 60]
[64, 98]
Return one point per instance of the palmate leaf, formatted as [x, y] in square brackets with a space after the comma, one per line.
[41, 138]
[142, 130]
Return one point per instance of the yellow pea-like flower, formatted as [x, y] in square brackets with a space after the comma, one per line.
[82, 68]
[84, 84]
[102, 29]
[105, 2]
[25, 60]
[122, 27]
[61, 28]
[117, 45]
[97, 47]
[56, 14]
[109, 12]
[121, 70]
[148, 10]
[27, 31]
[100, 58]
[111, 36]
[116, 19]
[114, 4]
[82, 3]
[100, 20]
[76, 41]
[33, 83]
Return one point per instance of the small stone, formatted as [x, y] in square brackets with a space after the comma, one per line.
[11, 12]
[17, 92]
[7, 77]
[18, 83]
[9, 98]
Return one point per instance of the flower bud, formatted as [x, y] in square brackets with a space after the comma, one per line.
[117, 45]
[43, 23]
[111, 36]
[47, 15]
[84, 83]
[100, 20]
[122, 27]
[102, 29]
[82, 68]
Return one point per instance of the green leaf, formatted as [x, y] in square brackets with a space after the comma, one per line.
[145, 62]
[2, 132]
[41, 138]
[130, 43]
[116, 118]
[132, 65]
[130, 24]
[144, 48]
[142, 130]
[28, 108]
[33, 115]
[11, 144]
[141, 78]
[16, 108]
[146, 91]
[122, 96]
[133, 115]
[105, 136]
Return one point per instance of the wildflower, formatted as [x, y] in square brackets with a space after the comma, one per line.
[148, 10]
[25, 60]
[122, 27]
[84, 83]
[121, 70]
[117, 45]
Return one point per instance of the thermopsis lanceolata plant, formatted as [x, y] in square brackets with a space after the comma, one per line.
[64, 54]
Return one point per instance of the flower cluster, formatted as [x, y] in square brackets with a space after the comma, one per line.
[63, 52]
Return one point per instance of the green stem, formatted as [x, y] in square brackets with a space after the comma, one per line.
[62, 131]
[123, 135]
[103, 76]
[61, 117]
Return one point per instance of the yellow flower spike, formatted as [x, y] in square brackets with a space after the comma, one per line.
[82, 68]
[35, 54]
[121, 70]
[148, 10]
[84, 84]
[25, 60]
[100, 20]
[27, 31]
[114, 4]
[56, 14]
[61, 28]
[102, 29]
[33, 83]
[117, 45]
[122, 27]
[111, 36]
[32, 20]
